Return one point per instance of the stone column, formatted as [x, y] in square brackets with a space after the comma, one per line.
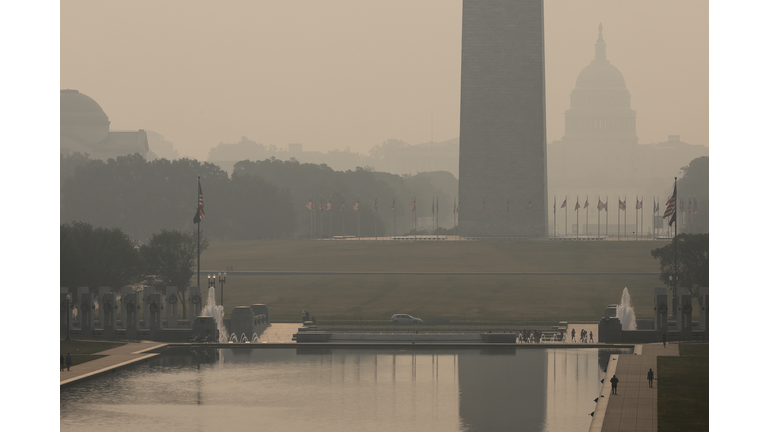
[86, 315]
[124, 291]
[685, 316]
[76, 301]
[132, 305]
[155, 314]
[66, 312]
[194, 304]
[145, 295]
[108, 314]
[172, 306]
[100, 315]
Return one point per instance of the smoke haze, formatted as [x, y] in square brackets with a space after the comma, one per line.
[344, 74]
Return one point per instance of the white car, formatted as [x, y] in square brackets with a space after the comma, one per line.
[403, 318]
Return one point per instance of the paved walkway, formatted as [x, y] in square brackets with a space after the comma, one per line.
[115, 358]
[634, 407]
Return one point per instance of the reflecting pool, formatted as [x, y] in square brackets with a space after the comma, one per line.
[309, 389]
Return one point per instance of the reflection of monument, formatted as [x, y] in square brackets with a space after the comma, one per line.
[502, 142]
[85, 129]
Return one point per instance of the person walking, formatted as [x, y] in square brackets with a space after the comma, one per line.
[650, 378]
[573, 335]
[590, 338]
[614, 385]
[68, 361]
[664, 339]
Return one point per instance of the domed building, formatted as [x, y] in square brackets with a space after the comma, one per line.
[599, 156]
[84, 128]
[600, 110]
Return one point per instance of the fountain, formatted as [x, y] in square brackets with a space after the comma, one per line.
[244, 339]
[211, 309]
[254, 338]
[233, 339]
[626, 313]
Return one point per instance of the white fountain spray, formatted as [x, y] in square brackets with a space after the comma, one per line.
[626, 313]
[211, 309]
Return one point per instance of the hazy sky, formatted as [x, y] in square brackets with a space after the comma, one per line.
[346, 73]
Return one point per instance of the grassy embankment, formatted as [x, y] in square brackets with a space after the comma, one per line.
[683, 403]
[83, 351]
[534, 299]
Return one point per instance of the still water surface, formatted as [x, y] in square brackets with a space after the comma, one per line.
[316, 390]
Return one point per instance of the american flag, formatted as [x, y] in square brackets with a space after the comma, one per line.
[586, 203]
[393, 205]
[309, 205]
[530, 205]
[600, 204]
[565, 203]
[375, 207]
[577, 204]
[200, 212]
[623, 205]
[413, 205]
[356, 207]
[655, 206]
[638, 204]
[328, 206]
[695, 207]
[671, 207]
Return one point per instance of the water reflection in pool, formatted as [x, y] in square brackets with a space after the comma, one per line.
[317, 390]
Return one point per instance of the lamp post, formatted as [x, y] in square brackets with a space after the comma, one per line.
[222, 279]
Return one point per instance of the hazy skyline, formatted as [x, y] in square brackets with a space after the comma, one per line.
[341, 74]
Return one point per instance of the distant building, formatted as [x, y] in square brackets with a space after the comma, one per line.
[599, 153]
[85, 129]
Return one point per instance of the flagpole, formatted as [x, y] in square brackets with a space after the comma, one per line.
[642, 213]
[598, 217]
[322, 210]
[618, 219]
[577, 217]
[636, 209]
[330, 215]
[625, 216]
[454, 218]
[375, 217]
[566, 215]
[554, 213]
[358, 217]
[586, 209]
[674, 282]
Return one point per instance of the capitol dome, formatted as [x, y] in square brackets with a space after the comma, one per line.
[82, 119]
[600, 104]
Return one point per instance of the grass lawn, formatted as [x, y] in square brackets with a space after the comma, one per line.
[683, 403]
[83, 351]
[471, 299]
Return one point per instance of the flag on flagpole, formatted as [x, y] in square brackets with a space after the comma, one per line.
[375, 207]
[695, 207]
[565, 203]
[458, 209]
[530, 205]
[343, 205]
[554, 205]
[577, 204]
[671, 207]
[433, 206]
[393, 205]
[200, 212]
[309, 205]
[638, 204]
[622, 205]
[437, 204]
[413, 205]
[356, 207]
[655, 206]
[328, 206]
[600, 204]
[313, 205]
[586, 203]
[689, 205]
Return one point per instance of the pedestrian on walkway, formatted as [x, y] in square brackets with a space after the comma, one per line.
[590, 338]
[61, 364]
[573, 335]
[664, 339]
[614, 385]
[650, 378]
[68, 361]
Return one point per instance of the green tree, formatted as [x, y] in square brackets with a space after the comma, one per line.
[95, 257]
[694, 185]
[692, 262]
[171, 259]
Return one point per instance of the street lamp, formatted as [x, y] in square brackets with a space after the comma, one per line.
[211, 281]
[222, 279]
